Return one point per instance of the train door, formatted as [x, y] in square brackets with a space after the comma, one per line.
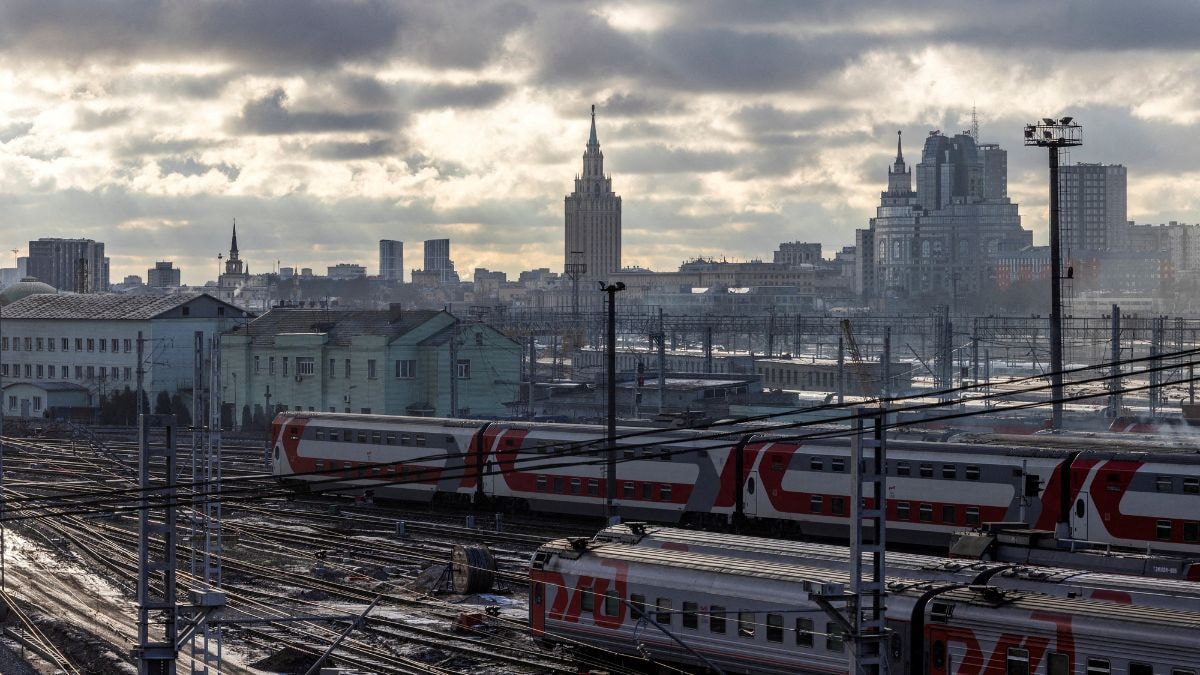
[750, 494]
[537, 608]
[1080, 513]
[937, 655]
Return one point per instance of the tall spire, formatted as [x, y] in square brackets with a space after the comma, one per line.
[233, 251]
[592, 138]
[899, 151]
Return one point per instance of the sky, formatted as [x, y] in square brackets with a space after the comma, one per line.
[728, 127]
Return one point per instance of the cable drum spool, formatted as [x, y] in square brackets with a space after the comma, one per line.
[473, 569]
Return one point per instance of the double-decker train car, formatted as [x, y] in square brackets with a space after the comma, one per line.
[1120, 588]
[753, 479]
[641, 605]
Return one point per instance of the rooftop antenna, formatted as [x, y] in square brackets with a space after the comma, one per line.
[974, 124]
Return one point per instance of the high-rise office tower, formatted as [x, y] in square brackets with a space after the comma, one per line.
[75, 265]
[437, 259]
[1092, 209]
[391, 260]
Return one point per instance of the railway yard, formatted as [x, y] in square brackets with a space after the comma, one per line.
[70, 579]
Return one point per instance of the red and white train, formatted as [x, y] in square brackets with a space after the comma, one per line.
[758, 616]
[1125, 495]
[1125, 589]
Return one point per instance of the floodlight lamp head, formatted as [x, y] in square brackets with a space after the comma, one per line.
[1029, 129]
[1049, 121]
[601, 285]
[620, 285]
[1067, 120]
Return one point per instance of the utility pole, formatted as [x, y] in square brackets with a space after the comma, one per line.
[885, 389]
[611, 454]
[708, 349]
[532, 366]
[575, 268]
[1053, 135]
[158, 613]
[841, 372]
[662, 363]
[454, 368]
[1114, 376]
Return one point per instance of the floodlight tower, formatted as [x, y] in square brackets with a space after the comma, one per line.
[575, 269]
[1054, 134]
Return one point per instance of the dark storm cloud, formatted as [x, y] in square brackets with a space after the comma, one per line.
[269, 116]
[340, 151]
[271, 34]
[189, 166]
[87, 119]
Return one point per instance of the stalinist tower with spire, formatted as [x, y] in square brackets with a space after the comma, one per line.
[237, 273]
[593, 217]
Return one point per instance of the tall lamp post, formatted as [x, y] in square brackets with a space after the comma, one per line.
[1052, 135]
[611, 475]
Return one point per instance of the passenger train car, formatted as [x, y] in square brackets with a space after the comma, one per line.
[1140, 497]
[642, 606]
[1120, 588]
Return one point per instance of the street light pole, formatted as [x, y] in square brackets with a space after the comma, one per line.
[611, 476]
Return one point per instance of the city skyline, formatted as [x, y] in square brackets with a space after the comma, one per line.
[730, 127]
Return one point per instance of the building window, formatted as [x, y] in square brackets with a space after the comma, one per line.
[39, 344]
[4, 344]
[113, 373]
[91, 372]
[305, 365]
[79, 372]
[40, 371]
[4, 369]
[285, 366]
[347, 372]
[332, 367]
[50, 371]
[464, 369]
[126, 374]
[66, 344]
[371, 374]
[28, 344]
[78, 344]
[115, 345]
[28, 371]
[406, 369]
[50, 344]
[128, 345]
[91, 343]
[270, 365]
[12, 402]
[257, 365]
[103, 345]
[37, 403]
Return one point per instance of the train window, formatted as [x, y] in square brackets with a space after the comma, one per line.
[972, 472]
[750, 485]
[630, 493]
[419, 440]
[1058, 663]
[1018, 661]
[948, 515]
[1181, 671]
[362, 437]
[903, 469]
[816, 504]
[1080, 508]
[837, 505]
[587, 600]
[1164, 484]
[716, 619]
[816, 464]
[1140, 669]
[576, 485]
[612, 604]
[378, 470]
[949, 471]
[593, 487]
[347, 467]
[1163, 530]
[319, 434]
[1098, 667]
[664, 492]
[774, 628]
[838, 464]
[663, 614]
[647, 490]
[926, 513]
[1191, 532]
[926, 471]
[629, 453]
[540, 483]
[558, 484]
[637, 603]
[834, 638]
[902, 510]
[376, 437]
[319, 465]
[804, 632]
[746, 624]
[389, 439]
[690, 618]
[1191, 485]
[972, 515]
[405, 439]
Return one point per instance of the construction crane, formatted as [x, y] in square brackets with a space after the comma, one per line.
[860, 371]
